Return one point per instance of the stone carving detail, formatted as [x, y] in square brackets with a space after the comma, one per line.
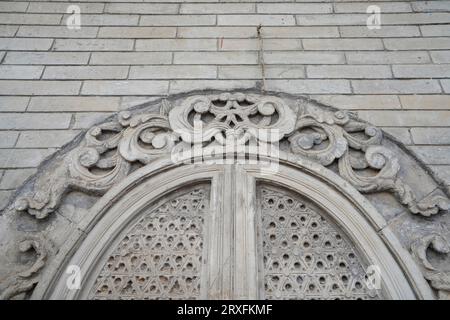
[325, 136]
[305, 256]
[26, 280]
[108, 150]
[103, 159]
[237, 115]
[160, 257]
[439, 279]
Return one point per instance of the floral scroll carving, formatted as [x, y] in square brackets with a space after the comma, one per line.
[110, 150]
[227, 114]
[439, 279]
[26, 280]
[356, 146]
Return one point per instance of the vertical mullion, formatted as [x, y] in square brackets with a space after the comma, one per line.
[246, 271]
[219, 264]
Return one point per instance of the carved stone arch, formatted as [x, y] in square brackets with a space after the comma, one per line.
[391, 197]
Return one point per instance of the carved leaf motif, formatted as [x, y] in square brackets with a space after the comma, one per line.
[378, 158]
[108, 150]
[439, 279]
[303, 143]
[27, 279]
[147, 141]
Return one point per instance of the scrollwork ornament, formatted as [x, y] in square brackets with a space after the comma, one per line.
[26, 280]
[109, 150]
[147, 141]
[439, 279]
[303, 143]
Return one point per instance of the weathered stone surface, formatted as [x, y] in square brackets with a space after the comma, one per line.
[310, 86]
[12, 179]
[8, 31]
[55, 79]
[137, 32]
[427, 102]
[385, 31]
[20, 72]
[396, 86]
[93, 45]
[432, 154]
[176, 45]
[128, 87]
[217, 8]
[45, 138]
[49, 58]
[4, 197]
[255, 72]
[23, 158]
[406, 118]
[13, 104]
[294, 8]
[446, 85]
[417, 44]
[440, 56]
[73, 104]
[361, 7]
[216, 32]
[142, 8]
[256, 20]
[25, 44]
[107, 20]
[355, 72]
[342, 44]
[55, 7]
[289, 57]
[300, 32]
[435, 30]
[127, 58]
[254, 44]
[400, 134]
[387, 57]
[36, 87]
[173, 72]
[21, 18]
[178, 86]
[422, 71]
[178, 20]
[87, 120]
[85, 72]
[56, 32]
[443, 172]
[360, 101]
[8, 139]
[431, 135]
[215, 57]
[34, 121]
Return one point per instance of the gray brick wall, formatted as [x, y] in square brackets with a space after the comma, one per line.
[55, 81]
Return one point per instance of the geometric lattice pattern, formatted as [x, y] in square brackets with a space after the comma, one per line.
[305, 256]
[160, 257]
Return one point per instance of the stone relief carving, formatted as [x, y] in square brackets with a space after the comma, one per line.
[357, 146]
[26, 280]
[439, 279]
[111, 150]
[237, 115]
[108, 150]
